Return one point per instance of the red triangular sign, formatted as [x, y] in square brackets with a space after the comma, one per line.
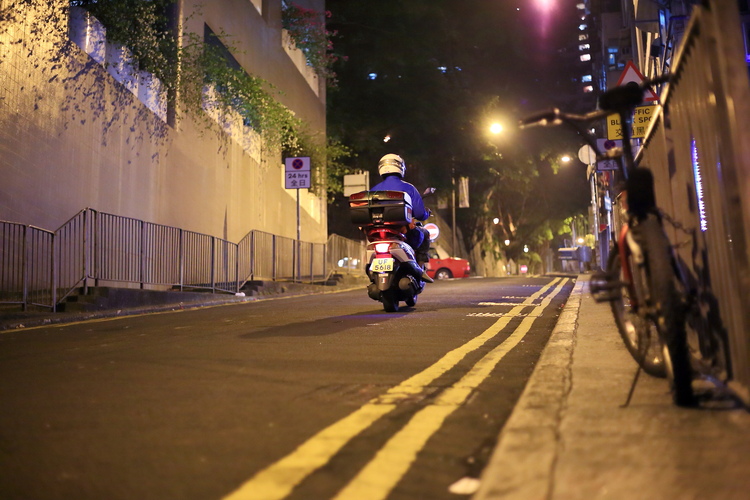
[631, 74]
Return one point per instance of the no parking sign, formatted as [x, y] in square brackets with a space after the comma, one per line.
[297, 170]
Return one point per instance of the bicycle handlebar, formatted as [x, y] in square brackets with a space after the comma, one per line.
[622, 99]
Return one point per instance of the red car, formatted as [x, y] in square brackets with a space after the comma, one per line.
[449, 267]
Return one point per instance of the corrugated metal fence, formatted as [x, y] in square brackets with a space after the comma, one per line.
[41, 268]
[699, 150]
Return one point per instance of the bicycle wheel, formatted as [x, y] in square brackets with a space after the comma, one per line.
[638, 333]
[705, 334]
[667, 307]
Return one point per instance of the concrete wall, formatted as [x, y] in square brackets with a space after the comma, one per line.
[73, 137]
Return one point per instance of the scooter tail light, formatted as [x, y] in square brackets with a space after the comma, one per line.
[382, 247]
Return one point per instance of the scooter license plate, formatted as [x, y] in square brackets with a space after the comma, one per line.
[381, 265]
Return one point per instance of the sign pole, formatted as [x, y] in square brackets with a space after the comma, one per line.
[299, 228]
[297, 172]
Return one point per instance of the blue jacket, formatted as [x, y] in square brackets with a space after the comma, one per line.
[394, 183]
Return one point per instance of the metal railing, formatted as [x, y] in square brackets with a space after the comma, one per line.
[345, 256]
[41, 268]
[698, 150]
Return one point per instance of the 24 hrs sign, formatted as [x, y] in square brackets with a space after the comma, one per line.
[297, 172]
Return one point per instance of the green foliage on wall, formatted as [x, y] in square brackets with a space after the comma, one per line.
[185, 64]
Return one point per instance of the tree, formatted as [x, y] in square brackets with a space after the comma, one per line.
[427, 74]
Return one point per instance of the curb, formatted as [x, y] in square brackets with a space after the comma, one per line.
[49, 319]
[522, 463]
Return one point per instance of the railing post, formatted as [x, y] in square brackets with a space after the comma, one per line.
[53, 272]
[312, 261]
[142, 260]
[213, 264]
[252, 255]
[273, 257]
[95, 229]
[181, 259]
[325, 260]
[237, 268]
[24, 270]
[85, 251]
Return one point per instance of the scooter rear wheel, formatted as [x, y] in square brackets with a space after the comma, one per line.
[411, 301]
[390, 302]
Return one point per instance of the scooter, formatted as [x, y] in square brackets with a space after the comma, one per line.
[392, 266]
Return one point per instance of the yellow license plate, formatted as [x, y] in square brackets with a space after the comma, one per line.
[381, 265]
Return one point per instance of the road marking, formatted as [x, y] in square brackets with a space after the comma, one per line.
[280, 478]
[498, 315]
[381, 475]
[497, 304]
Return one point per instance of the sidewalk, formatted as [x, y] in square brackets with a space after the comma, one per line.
[569, 437]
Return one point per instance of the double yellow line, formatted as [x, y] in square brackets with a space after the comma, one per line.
[389, 465]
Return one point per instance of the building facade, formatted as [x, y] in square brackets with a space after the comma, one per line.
[82, 127]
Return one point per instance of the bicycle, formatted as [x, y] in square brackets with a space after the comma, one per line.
[654, 300]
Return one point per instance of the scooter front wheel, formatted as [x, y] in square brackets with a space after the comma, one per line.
[390, 301]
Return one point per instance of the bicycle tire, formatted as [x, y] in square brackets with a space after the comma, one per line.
[639, 335]
[667, 307]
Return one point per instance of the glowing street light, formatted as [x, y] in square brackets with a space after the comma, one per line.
[496, 128]
[565, 159]
[496, 221]
[507, 243]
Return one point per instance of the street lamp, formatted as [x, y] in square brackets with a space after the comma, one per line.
[565, 159]
[496, 128]
[496, 221]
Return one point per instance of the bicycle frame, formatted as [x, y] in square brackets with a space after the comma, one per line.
[653, 297]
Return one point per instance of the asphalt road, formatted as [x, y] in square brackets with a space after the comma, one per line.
[314, 397]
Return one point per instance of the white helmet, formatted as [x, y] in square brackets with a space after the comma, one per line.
[392, 164]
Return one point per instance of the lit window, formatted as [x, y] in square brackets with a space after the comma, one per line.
[582, 37]
[442, 69]
[372, 76]
[586, 78]
[582, 27]
[588, 88]
[581, 6]
[585, 57]
[584, 46]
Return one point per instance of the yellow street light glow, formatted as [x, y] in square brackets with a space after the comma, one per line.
[386, 138]
[496, 128]
[496, 221]
[565, 159]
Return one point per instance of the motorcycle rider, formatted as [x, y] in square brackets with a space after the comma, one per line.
[392, 168]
